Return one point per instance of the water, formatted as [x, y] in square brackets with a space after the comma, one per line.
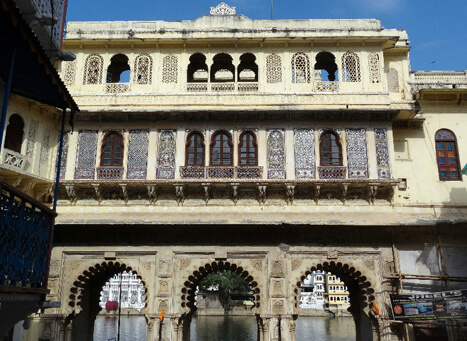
[243, 328]
[132, 328]
[228, 328]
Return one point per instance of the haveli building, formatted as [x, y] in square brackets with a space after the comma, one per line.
[273, 148]
[34, 103]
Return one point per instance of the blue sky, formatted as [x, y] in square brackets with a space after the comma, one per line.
[437, 29]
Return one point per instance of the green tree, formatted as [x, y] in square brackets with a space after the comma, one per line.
[227, 283]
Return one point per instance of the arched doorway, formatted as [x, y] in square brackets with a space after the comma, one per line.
[356, 290]
[86, 294]
[208, 317]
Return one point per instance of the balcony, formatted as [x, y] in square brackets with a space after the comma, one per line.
[110, 172]
[25, 236]
[438, 80]
[223, 87]
[332, 172]
[13, 159]
[197, 172]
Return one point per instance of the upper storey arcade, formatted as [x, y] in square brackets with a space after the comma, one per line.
[237, 62]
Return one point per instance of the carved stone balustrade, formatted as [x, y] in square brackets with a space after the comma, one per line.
[325, 86]
[247, 87]
[117, 88]
[197, 87]
[13, 159]
[201, 190]
[110, 172]
[332, 172]
[239, 172]
[221, 87]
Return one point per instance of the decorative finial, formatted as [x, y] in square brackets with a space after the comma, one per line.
[223, 9]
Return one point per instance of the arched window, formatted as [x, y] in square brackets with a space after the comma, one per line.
[221, 149]
[222, 69]
[119, 69]
[14, 133]
[197, 69]
[247, 149]
[330, 150]
[143, 69]
[326, 61]
[194, 149]
[300, 68]
[93, 69]
[350, 67]
[447, 155]
[112, 149]
[247, 70]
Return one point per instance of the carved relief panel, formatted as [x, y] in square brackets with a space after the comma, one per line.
[166, 158]
[357, 160]
[382, 154]
[276, 154]
[137, 154]
[304, 153]
[86, 157]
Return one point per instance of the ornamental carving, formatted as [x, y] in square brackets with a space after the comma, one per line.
[164, 268]
[350, 67]
[277, 287]
[93, 69]
[382, 154]
[357, 160]
[31, 139]
[170, 69]
[184, 263]
[70, 73]
[44, 157]
[278, 307]
[374, 68]
[223, 9]
[296, 263]
[304, 154]
[164, 288]
[257, 264]
[393, 80]
[143, 69]
[166, 159]
[137, 155]
[86, 157]
[66, 137]
[276, 154]
[277, 269]
[273, 69]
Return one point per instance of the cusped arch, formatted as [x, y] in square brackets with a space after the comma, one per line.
[188, 290]
[359, 287]
[96, 276]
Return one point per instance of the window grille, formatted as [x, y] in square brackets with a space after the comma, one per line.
[248, 149]
[447, 155]
[273, 69]
[143, 69]
[300, 68]
[170, 69]
[350, 67]
[221, 149]
[393, 80]
[93, 69]
[70, 73]
[194, 149]
[112, 150]
[330, 150]
[374, 68]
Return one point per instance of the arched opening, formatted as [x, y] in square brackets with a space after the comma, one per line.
[330, 149]
[87, 294]
[197, 69]
[14, 133]
[247, 149]
[222, 69]
[215, 307]
[119, 69]
[335, 291]
[112, 149]
[221, 149]
[247, 69]
[326, 64]
[194, 149]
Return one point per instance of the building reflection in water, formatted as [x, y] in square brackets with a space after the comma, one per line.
[132, 328]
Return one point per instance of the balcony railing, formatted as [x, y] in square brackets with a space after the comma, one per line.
[110, 172]
[324, 86]
[198, 172]
[117, 88]
[222, 87]
[332, 172]
[439, 76]
[14, 159]
[25, 236]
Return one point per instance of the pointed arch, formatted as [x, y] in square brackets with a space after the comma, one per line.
[93, 69]
[330, 149]
[221, 149]
[143, 69]
[300, 68]
[194, 149]
[14, 133]
[351, 67]
[447, 155]
[247, 149]
[112, 149]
